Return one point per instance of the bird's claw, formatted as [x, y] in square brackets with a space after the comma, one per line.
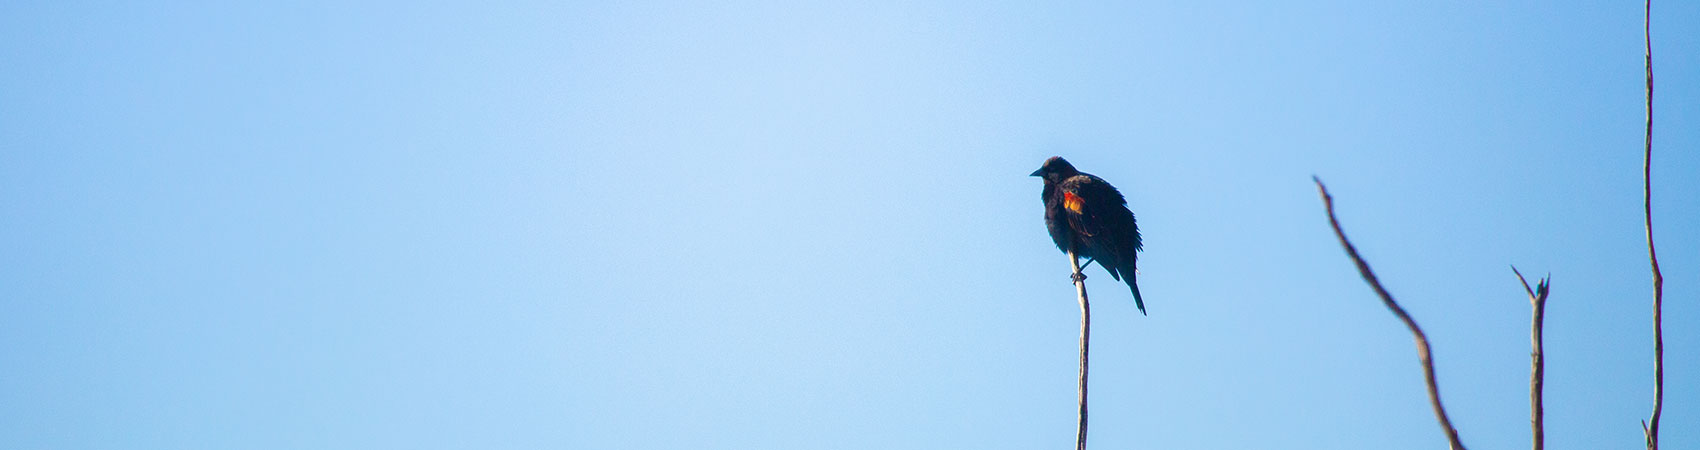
[1077, 277]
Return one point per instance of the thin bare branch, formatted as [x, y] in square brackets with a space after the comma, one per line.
[1537, 362]
[1085, 341]
[1423, 351]
[1652, 429]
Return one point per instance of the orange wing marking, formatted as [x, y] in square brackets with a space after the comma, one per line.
[1073, 202]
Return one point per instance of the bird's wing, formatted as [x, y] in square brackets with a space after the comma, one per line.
[1086, 199]
[1106, 227]
[1099, 212]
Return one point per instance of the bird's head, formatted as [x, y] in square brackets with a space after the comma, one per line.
[1055, 169]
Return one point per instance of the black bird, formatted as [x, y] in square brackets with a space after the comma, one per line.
[1088, 216]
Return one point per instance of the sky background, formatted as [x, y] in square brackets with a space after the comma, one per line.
[730, 225]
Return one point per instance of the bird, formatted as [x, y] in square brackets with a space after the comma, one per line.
[1089, 217]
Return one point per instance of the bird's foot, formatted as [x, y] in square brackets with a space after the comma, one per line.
[1077, 277]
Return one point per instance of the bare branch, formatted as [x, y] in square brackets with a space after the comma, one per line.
[1652, 430]
[1423, 352]
[1085, 341]
[1537, 362]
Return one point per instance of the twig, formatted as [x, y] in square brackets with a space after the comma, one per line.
[1652, 431]
[1085, 341]
[1537, 363]
[1423, 352]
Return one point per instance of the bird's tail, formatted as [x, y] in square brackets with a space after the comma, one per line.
[1129, 276]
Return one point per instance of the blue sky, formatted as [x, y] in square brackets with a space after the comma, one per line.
[805, 225]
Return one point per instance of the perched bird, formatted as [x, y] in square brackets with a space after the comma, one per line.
[1089, 217]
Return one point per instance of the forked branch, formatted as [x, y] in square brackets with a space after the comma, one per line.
[1537, 362]
[1423, 352]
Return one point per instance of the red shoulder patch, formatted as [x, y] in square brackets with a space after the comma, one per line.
[1073, 202]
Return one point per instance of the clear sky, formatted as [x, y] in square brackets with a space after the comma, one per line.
[732, 225]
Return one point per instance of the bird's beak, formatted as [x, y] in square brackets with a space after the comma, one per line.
[1037, 173]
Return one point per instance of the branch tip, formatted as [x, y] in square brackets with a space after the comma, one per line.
[1423, 351]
